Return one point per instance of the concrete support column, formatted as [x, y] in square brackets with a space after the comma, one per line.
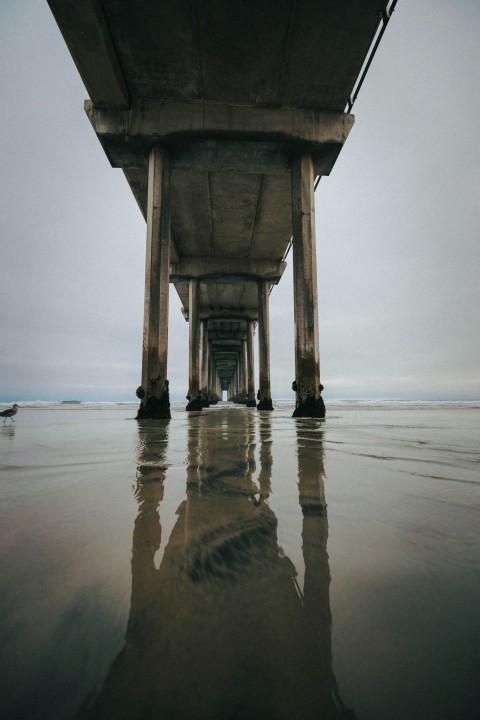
[264, 395]
[215, 388]
[309, 402]
[210, 376]
[214, 373]
[250, 402]
[153, 392]
[204, 365]
[235, 383]
[195, 399]
[211, 380]
[244, 371]
[238, 378]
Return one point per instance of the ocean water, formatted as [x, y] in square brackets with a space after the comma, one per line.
[240, 565]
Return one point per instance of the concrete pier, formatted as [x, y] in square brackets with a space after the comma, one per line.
[220, 156]
[264, 393]
[153, 392]
[307, 364]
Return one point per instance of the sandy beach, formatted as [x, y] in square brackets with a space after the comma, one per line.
[237, 564]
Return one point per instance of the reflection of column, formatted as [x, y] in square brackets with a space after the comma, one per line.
[195, 400]
[250, 367]
[222, 623]
[307, 363]
[266, 462]
[311, 491]
[251, 445]
[265, 400]
[153, 391]
[147, 533]
[316, 591]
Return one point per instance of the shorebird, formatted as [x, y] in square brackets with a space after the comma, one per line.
[9, 413]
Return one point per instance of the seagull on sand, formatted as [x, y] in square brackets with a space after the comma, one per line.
[9, 413]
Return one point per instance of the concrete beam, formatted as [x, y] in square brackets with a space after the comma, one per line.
[229, 354]
[232, 156]
[210, 269]
[233, 342]
[85, 31]
[214, 136]
[208, 312]
[156, 120]
[217, 338]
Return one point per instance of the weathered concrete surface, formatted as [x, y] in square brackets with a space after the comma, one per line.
[155, 408]
[87, 34]
[271, 53]
[307, 356]
[155, 329]
[252, 139]
[310, 407]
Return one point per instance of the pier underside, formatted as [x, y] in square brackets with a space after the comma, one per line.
[221, 115]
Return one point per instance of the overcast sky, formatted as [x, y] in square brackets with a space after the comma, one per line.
[397, 228]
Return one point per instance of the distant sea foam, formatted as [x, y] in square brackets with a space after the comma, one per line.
[282, 403]
[69, 404]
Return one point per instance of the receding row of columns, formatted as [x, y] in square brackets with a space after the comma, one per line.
[204, 383]
[203, 388]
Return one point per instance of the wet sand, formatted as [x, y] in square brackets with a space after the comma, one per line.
[236, 564]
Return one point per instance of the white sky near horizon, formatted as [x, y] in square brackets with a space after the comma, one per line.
[398, 248]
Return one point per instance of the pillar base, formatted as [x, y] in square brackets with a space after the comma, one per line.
[196, 404]
[250, 403]
[265, 404]
[205, 402]
[311, 407]
[155, 408]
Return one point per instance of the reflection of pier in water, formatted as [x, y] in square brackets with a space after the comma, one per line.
[221, 628]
